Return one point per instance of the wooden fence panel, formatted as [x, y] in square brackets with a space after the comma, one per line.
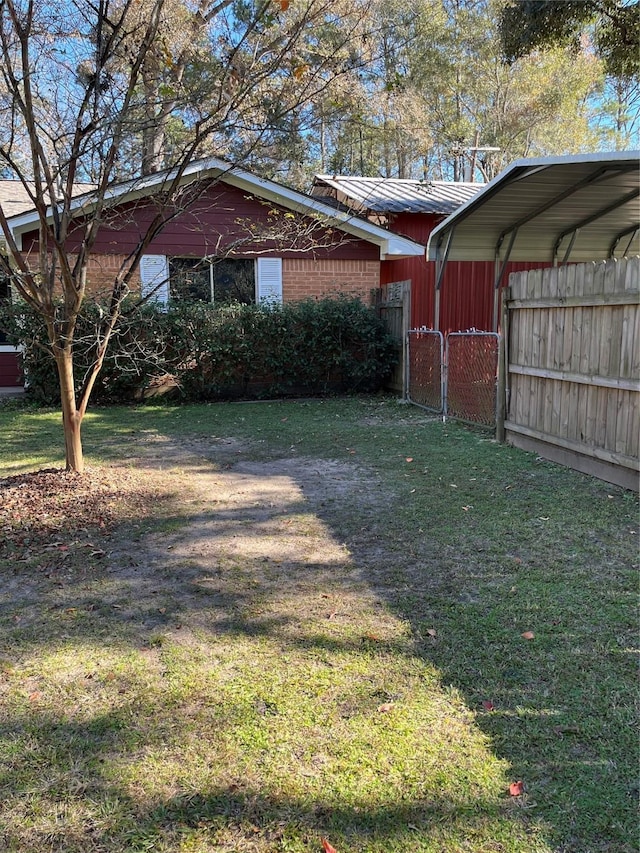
[393, 304]
[573, 366]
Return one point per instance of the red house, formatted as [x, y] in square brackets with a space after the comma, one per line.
[229, 235]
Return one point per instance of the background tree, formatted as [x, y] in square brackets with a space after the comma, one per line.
[84, 85]
[610, 29]
[613, 25]
[437, 85]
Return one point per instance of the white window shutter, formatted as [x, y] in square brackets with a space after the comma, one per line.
[154, 278]
[270, 280]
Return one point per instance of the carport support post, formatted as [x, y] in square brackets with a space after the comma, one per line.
[503, 366]
[441, 263]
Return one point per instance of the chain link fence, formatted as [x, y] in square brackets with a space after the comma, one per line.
[425, 360]
[457, 378]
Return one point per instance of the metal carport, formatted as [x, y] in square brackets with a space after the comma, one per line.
[569, 377]
[578, 207]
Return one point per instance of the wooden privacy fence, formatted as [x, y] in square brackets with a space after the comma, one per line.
[571, 366]
[393, 304]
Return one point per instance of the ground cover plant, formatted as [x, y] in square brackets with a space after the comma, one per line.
[258, 626]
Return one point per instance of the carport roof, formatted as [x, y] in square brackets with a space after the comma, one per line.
[581, 207]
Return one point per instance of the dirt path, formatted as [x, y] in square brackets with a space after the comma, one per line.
[257, 553]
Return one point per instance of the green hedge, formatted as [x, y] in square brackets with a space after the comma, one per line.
[202, 352]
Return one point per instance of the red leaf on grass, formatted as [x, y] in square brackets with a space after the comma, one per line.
[409, 459]
[488, 705]
[516, 789]
[388, 706]
[528, 635]
[328, 848]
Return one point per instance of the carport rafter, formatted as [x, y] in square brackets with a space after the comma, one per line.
[633, 230]
[575, 228]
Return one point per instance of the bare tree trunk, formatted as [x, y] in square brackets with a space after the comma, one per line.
[71, 418]
[154, 130]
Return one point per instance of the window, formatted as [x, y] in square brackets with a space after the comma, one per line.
[190, 279]
[234, 281]
[218, 281]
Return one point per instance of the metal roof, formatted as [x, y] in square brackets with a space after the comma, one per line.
[581, 207]
[395, 195]
[392, 246]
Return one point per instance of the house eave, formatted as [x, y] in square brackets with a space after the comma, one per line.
[212, 168]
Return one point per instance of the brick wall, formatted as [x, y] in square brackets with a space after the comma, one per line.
[101, 273]
[303, 278]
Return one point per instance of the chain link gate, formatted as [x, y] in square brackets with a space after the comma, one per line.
[457, 379]
[471, 376]
[425, 360]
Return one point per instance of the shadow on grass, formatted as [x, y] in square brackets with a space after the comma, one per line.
[556, 707]
[76, 762]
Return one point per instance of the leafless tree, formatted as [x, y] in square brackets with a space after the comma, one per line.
[89, 87]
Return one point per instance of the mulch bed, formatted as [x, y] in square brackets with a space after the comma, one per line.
[38, 506]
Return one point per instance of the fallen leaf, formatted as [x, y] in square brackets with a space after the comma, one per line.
[467, 508]
[372, 637]
[284, 419]
[284, 5]
[516, 789]
[33, 697]
[488, 705]
[409, 459]
[431, 632]
[528, 635]
[388, 706]
[328, 848]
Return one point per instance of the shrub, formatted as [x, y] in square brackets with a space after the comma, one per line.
[208, 352]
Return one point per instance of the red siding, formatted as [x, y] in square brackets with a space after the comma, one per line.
[207, 223]
[466, 299]
[10, 372]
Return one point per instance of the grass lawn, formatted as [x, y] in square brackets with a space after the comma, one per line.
[253, 626]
